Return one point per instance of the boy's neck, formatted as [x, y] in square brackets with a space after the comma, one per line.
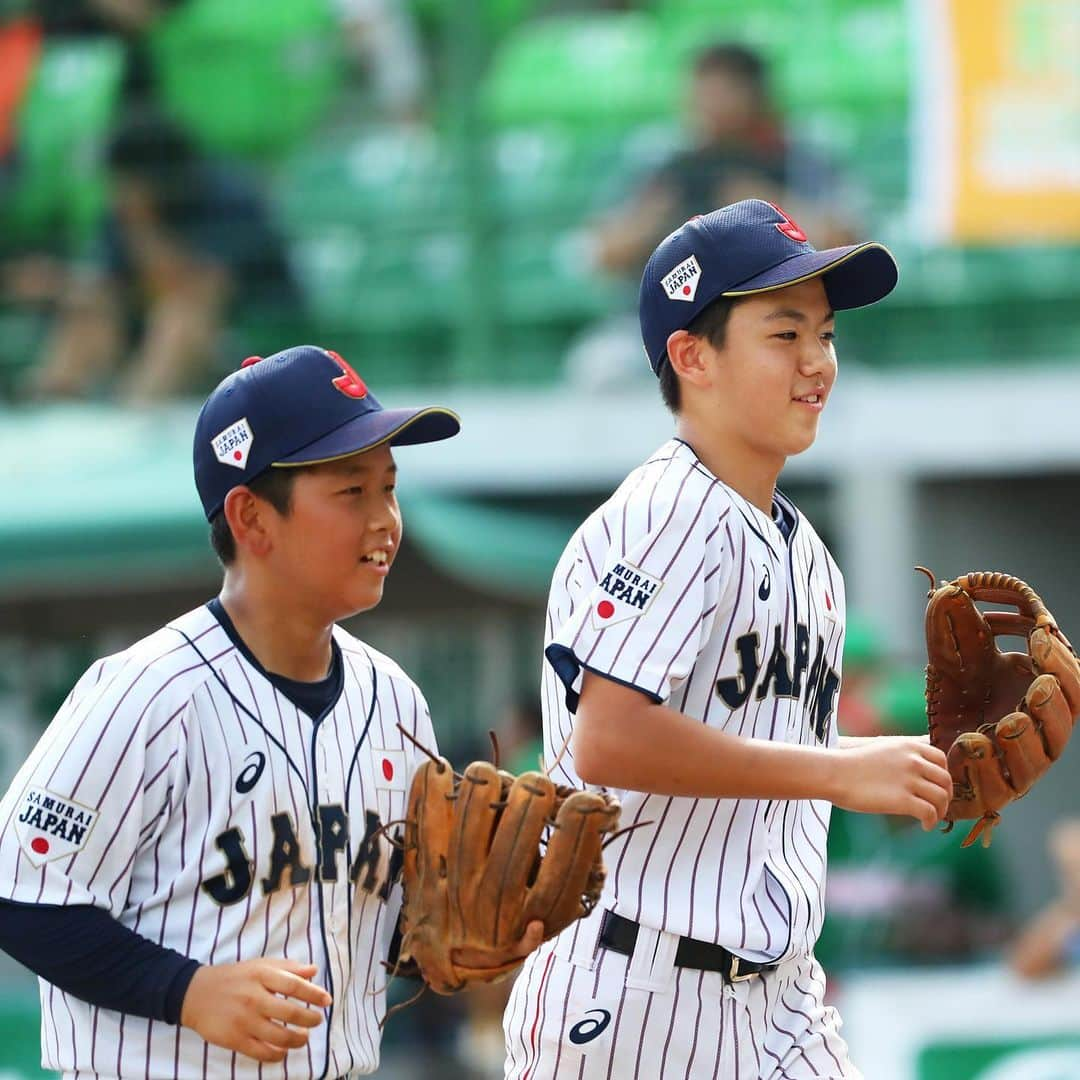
[284, 641]
[744, 469]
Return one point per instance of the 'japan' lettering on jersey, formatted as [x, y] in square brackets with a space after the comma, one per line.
[181, 792]
[680, 587]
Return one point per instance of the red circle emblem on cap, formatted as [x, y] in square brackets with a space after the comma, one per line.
[605, 609]
[350, 384]
[251, 360]
[40, 845]
[388, 768]
[788, 227]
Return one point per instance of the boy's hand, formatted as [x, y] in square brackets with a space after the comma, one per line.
[898, 774]
[259, 1008]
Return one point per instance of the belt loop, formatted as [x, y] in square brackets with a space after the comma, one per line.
[652, 966]
[586, 939]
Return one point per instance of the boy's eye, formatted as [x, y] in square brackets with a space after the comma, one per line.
[786, 335]
[829, 335]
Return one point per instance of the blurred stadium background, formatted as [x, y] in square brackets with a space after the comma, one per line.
[437, 177]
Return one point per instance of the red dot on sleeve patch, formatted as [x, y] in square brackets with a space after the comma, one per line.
[605, 609]
[40, 845]
[388, 768]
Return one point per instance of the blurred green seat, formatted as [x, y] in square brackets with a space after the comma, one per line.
[58, 192]
[563, 174]
[588, 70]
[547, 277]
[248, 76]
[380, 279]
[390, 174]
[839, 52]
[972, 307]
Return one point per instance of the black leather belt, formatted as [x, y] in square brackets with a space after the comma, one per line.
[620, 935]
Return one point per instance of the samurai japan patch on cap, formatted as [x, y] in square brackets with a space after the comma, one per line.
[682, 282]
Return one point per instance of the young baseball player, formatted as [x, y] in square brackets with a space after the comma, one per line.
[192, 859]
[695, 627]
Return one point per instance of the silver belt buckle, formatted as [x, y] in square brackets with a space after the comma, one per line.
[733, 971]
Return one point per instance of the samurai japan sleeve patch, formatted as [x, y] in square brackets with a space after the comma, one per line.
[624, 592]
[50, 826]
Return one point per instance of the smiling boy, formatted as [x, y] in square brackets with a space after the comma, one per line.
[226, 909]
[706, 699]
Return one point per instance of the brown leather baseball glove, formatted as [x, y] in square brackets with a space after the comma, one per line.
[475, 874]
[1001, 718]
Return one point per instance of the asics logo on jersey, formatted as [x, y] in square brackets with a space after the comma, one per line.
[781, 678]
[250, 774]
[374, 868]
[765, 587]
[586, 1030]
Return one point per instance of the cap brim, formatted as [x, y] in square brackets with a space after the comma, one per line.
[854, 276]
[396, 427]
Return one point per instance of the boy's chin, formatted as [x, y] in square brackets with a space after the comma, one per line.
[801, 442]
[361, 602]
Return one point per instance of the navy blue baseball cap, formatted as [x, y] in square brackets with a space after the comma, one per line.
[301, 406]
[747, 248]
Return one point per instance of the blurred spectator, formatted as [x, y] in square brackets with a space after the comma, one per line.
[1051, 941]
[187, 242]
[740, 150]
[895, 894]
[382, 36]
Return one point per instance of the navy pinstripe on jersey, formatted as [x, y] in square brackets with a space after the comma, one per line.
[682, 588]
[223, 823]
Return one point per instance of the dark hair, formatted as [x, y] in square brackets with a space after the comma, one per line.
[737, 60]
[709, 323]
[273, 485]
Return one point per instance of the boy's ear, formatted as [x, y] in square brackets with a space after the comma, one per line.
[247, 514]
[686, 355]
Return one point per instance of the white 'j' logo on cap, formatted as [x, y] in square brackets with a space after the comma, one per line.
[682, 282]
[232, 445]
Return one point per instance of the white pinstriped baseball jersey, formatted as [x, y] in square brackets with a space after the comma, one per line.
[180, 791]
[679, 586]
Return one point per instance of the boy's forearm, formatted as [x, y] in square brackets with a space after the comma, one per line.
[658, 750]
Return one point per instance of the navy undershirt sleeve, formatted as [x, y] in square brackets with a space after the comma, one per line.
[85, 952]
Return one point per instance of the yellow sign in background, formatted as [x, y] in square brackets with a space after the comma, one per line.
[1011, 78]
